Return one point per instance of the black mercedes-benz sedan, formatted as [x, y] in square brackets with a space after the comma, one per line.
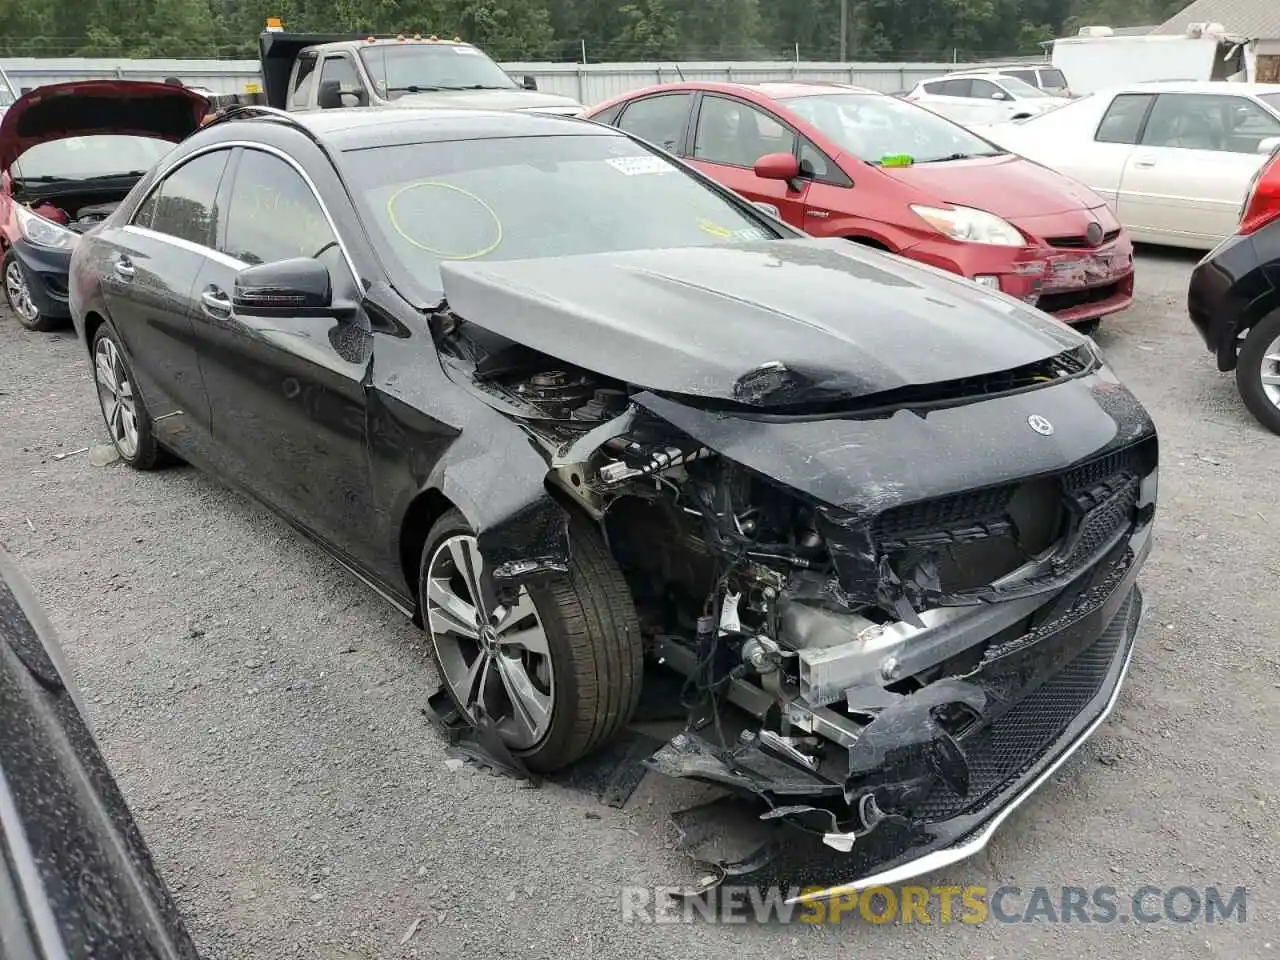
[580, 410]
[1234, 298]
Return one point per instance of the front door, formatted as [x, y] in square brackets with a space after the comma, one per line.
[287, 393]
[148, 286]
[729, 136]
[1187, 177]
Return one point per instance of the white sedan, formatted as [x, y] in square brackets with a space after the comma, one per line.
[982, 97]
[1173, 159]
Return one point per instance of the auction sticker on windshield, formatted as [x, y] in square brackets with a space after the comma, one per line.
[637, 166]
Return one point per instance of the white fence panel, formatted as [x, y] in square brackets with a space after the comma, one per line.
[587, 83]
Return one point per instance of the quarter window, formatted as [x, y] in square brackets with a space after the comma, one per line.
[306, 77]
[660, 120]
[185, 203]
[272, 214]
[1123, 120]
[736, 134]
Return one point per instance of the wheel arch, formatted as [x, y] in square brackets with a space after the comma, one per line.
[423, 512]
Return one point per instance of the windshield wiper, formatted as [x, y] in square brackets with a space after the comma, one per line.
[963, 156]
[42, 179]
[413, 88]
[114, 176]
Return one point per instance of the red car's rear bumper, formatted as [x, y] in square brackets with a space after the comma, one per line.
[1074, 284]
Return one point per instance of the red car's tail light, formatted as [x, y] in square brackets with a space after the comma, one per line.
[1262, 203]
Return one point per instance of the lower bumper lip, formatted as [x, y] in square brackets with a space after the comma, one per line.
[977, 840]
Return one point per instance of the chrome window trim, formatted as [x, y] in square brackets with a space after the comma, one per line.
[218, 254]
[184, 244]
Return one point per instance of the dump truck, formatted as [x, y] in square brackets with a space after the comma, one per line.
[314, 71]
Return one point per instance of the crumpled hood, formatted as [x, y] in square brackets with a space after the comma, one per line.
[490, 100]
[84, 108]
[765, 323]
[1009, 186]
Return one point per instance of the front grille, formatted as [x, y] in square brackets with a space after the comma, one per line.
[1003, 751]
[1080, 242]
[979, 536]
[1071, 299]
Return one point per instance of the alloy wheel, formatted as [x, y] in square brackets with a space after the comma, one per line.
[115, 394]
[1270, 372]
[15, 288]
[496, 662]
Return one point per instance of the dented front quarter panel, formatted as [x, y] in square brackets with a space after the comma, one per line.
[427, 434]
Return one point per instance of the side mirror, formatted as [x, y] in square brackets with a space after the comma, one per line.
[301, 285]
[530, 82]
[1268, 145]
[768, 208]
[999, 95]
[329, 94]
[777, 166]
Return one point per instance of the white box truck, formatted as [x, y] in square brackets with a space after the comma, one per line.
[1097, 59]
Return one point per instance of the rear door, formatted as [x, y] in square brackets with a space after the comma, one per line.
[1099, 162]
[287, 393]
[661, 120]
[730, 135]
[148, 287]
[1187, 177]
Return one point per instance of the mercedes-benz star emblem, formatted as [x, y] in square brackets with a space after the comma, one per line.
[1094, 233]
[1040, 425]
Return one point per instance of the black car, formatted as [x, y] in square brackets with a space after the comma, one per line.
[76, 879]
[576, 407]
[69, 153]
[1234, 298]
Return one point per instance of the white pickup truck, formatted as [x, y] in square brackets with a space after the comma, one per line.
[302, 71]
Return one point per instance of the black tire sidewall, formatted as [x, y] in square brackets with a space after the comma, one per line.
[41, 323]
[145, 456]
[1249, 370]
[547, 753]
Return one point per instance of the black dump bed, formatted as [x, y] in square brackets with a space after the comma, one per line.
[277, 51]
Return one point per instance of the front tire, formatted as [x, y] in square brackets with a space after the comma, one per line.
[560, 672]
[123, 410]
[1258, 372]
[18, 294]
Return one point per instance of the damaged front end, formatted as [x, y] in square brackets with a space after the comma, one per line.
[892, 620]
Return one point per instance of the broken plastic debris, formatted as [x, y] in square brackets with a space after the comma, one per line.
[839, 841]
[101, 454]
[70, 453]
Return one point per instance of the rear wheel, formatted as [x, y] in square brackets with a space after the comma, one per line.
[123, 410]
[559, 672]
[1258, 372]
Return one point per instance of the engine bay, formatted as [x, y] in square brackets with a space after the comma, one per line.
[73, 214]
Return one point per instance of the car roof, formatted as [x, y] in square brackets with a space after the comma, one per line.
[356, 128]
[1199, 86]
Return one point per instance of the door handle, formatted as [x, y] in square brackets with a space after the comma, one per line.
[216, 302]
[124, 269]
[1145, 162]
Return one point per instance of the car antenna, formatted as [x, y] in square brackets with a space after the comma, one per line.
[678, 72]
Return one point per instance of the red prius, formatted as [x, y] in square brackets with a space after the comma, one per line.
[842, 161]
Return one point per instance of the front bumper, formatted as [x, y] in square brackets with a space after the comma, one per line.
[1228, 288]
[1075, 286]
[46, 272]
[1079, 660]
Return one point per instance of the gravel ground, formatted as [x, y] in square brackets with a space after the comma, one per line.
[263, 712]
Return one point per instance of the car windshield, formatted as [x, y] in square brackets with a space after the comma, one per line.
[418, 67]
[84, 158]
[533, 197]
[880, 129]
[1021, 89]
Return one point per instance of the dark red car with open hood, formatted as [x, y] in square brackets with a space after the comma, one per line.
[69, 153]
[841, 161]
